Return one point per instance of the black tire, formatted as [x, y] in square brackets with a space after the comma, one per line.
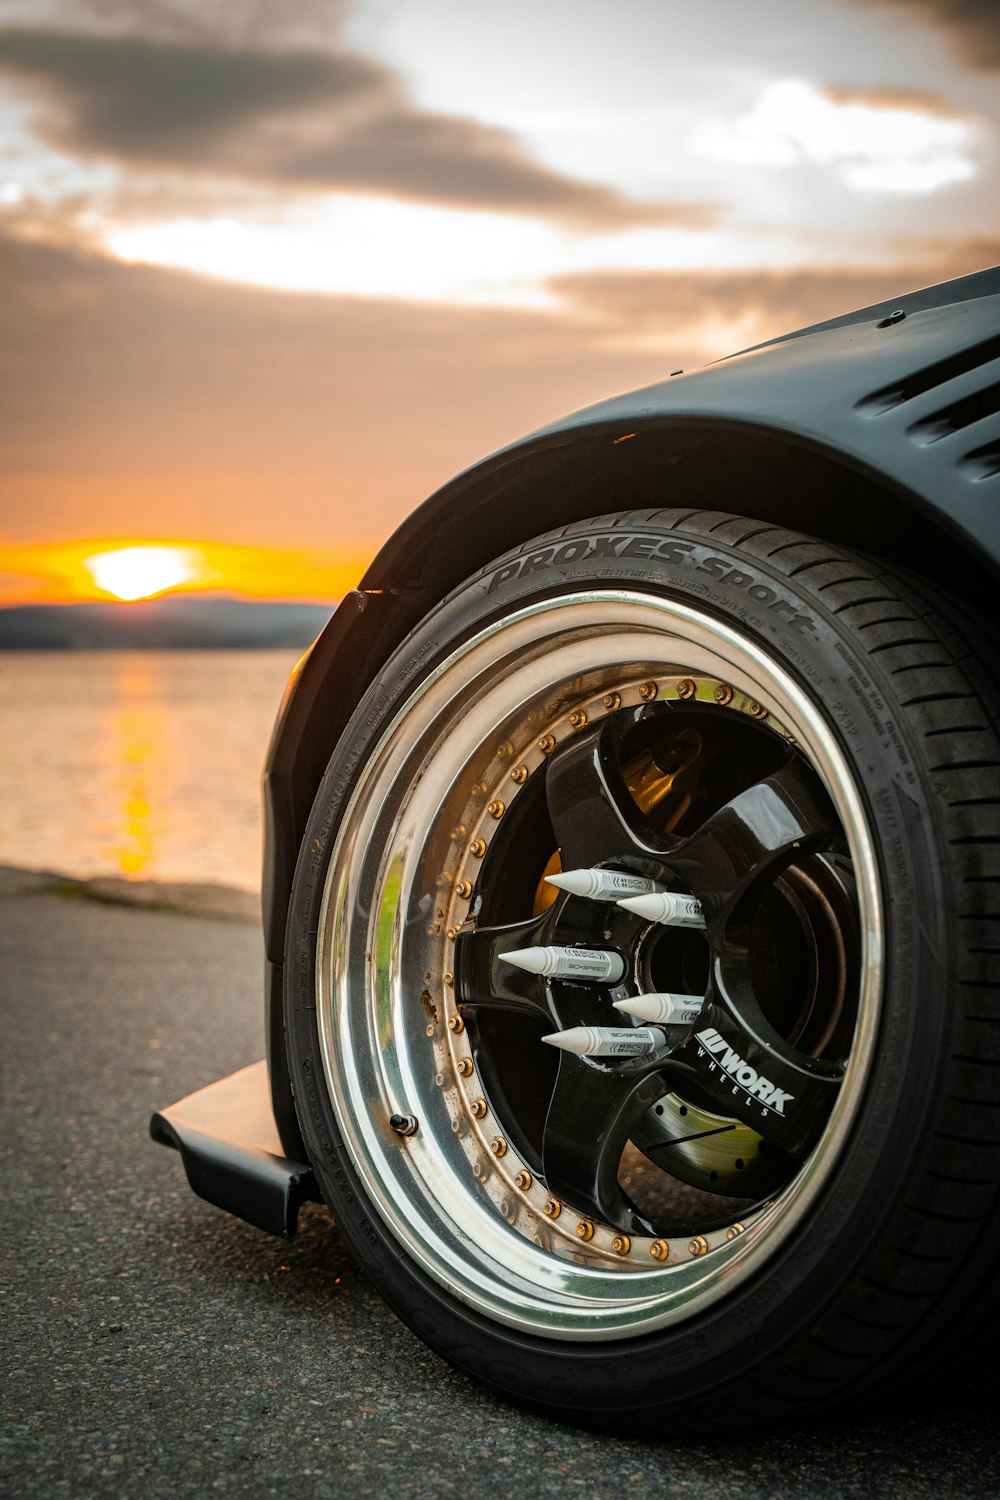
[801, 740]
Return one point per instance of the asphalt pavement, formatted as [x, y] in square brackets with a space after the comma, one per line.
[154, 1346]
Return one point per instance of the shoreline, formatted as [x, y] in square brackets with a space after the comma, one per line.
[188, 898]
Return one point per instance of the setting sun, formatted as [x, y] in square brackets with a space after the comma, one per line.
[140, 572]
[72, 572]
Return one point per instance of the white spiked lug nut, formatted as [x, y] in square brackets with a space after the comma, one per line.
[666, 906]
[663, 1010]
[606, 1041]
[602, 885]
[569, 963]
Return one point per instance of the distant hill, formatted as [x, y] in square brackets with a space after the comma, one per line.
[170, 623]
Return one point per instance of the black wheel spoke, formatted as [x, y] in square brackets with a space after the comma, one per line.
[593, 814]
[590, 1118]
[781, 1093]
[751, 838]
[483, 979]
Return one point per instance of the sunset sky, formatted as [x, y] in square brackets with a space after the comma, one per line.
[272, 271]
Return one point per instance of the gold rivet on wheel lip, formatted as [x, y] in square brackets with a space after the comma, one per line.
[686, 688]
[464, 889]
[648, 692]
[552, 1208]
[660, 1250]
[465, 1067]
[519, 774]
[546, 744]
[478, 1108]
[452, 934]
[723, 693]
[496, 808]
[734, 1231]
[612, 701]
[506, 750]
[456, 1024]
[478, 848]
[585, 1230]
[758, 711]
[621, 1244]
[459, 832]
[448, 978]
[430, 1028]
[498, 1146]
[698, 1246]
[523, 1180]
[578, 718]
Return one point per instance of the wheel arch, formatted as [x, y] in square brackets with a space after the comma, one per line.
[775, 472]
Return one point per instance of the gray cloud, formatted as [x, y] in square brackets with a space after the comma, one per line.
[298, 120]
[973, 25]
[438, 158]
[169, 102]
[254, 23]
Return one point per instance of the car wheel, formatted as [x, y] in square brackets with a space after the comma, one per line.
[641, 956]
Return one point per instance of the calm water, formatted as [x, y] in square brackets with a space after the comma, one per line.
[137, 763]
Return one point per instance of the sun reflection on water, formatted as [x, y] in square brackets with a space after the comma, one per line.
[139, 770]
[138, 764]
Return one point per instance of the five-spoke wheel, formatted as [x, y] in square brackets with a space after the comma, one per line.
[628, 742]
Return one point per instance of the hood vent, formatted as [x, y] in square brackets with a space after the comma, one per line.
[920, 381]
[981, 463]
[941, 424]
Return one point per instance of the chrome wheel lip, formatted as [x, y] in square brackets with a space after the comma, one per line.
[424, 1188]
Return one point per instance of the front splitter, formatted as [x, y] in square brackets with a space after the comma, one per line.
[232, 1153]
